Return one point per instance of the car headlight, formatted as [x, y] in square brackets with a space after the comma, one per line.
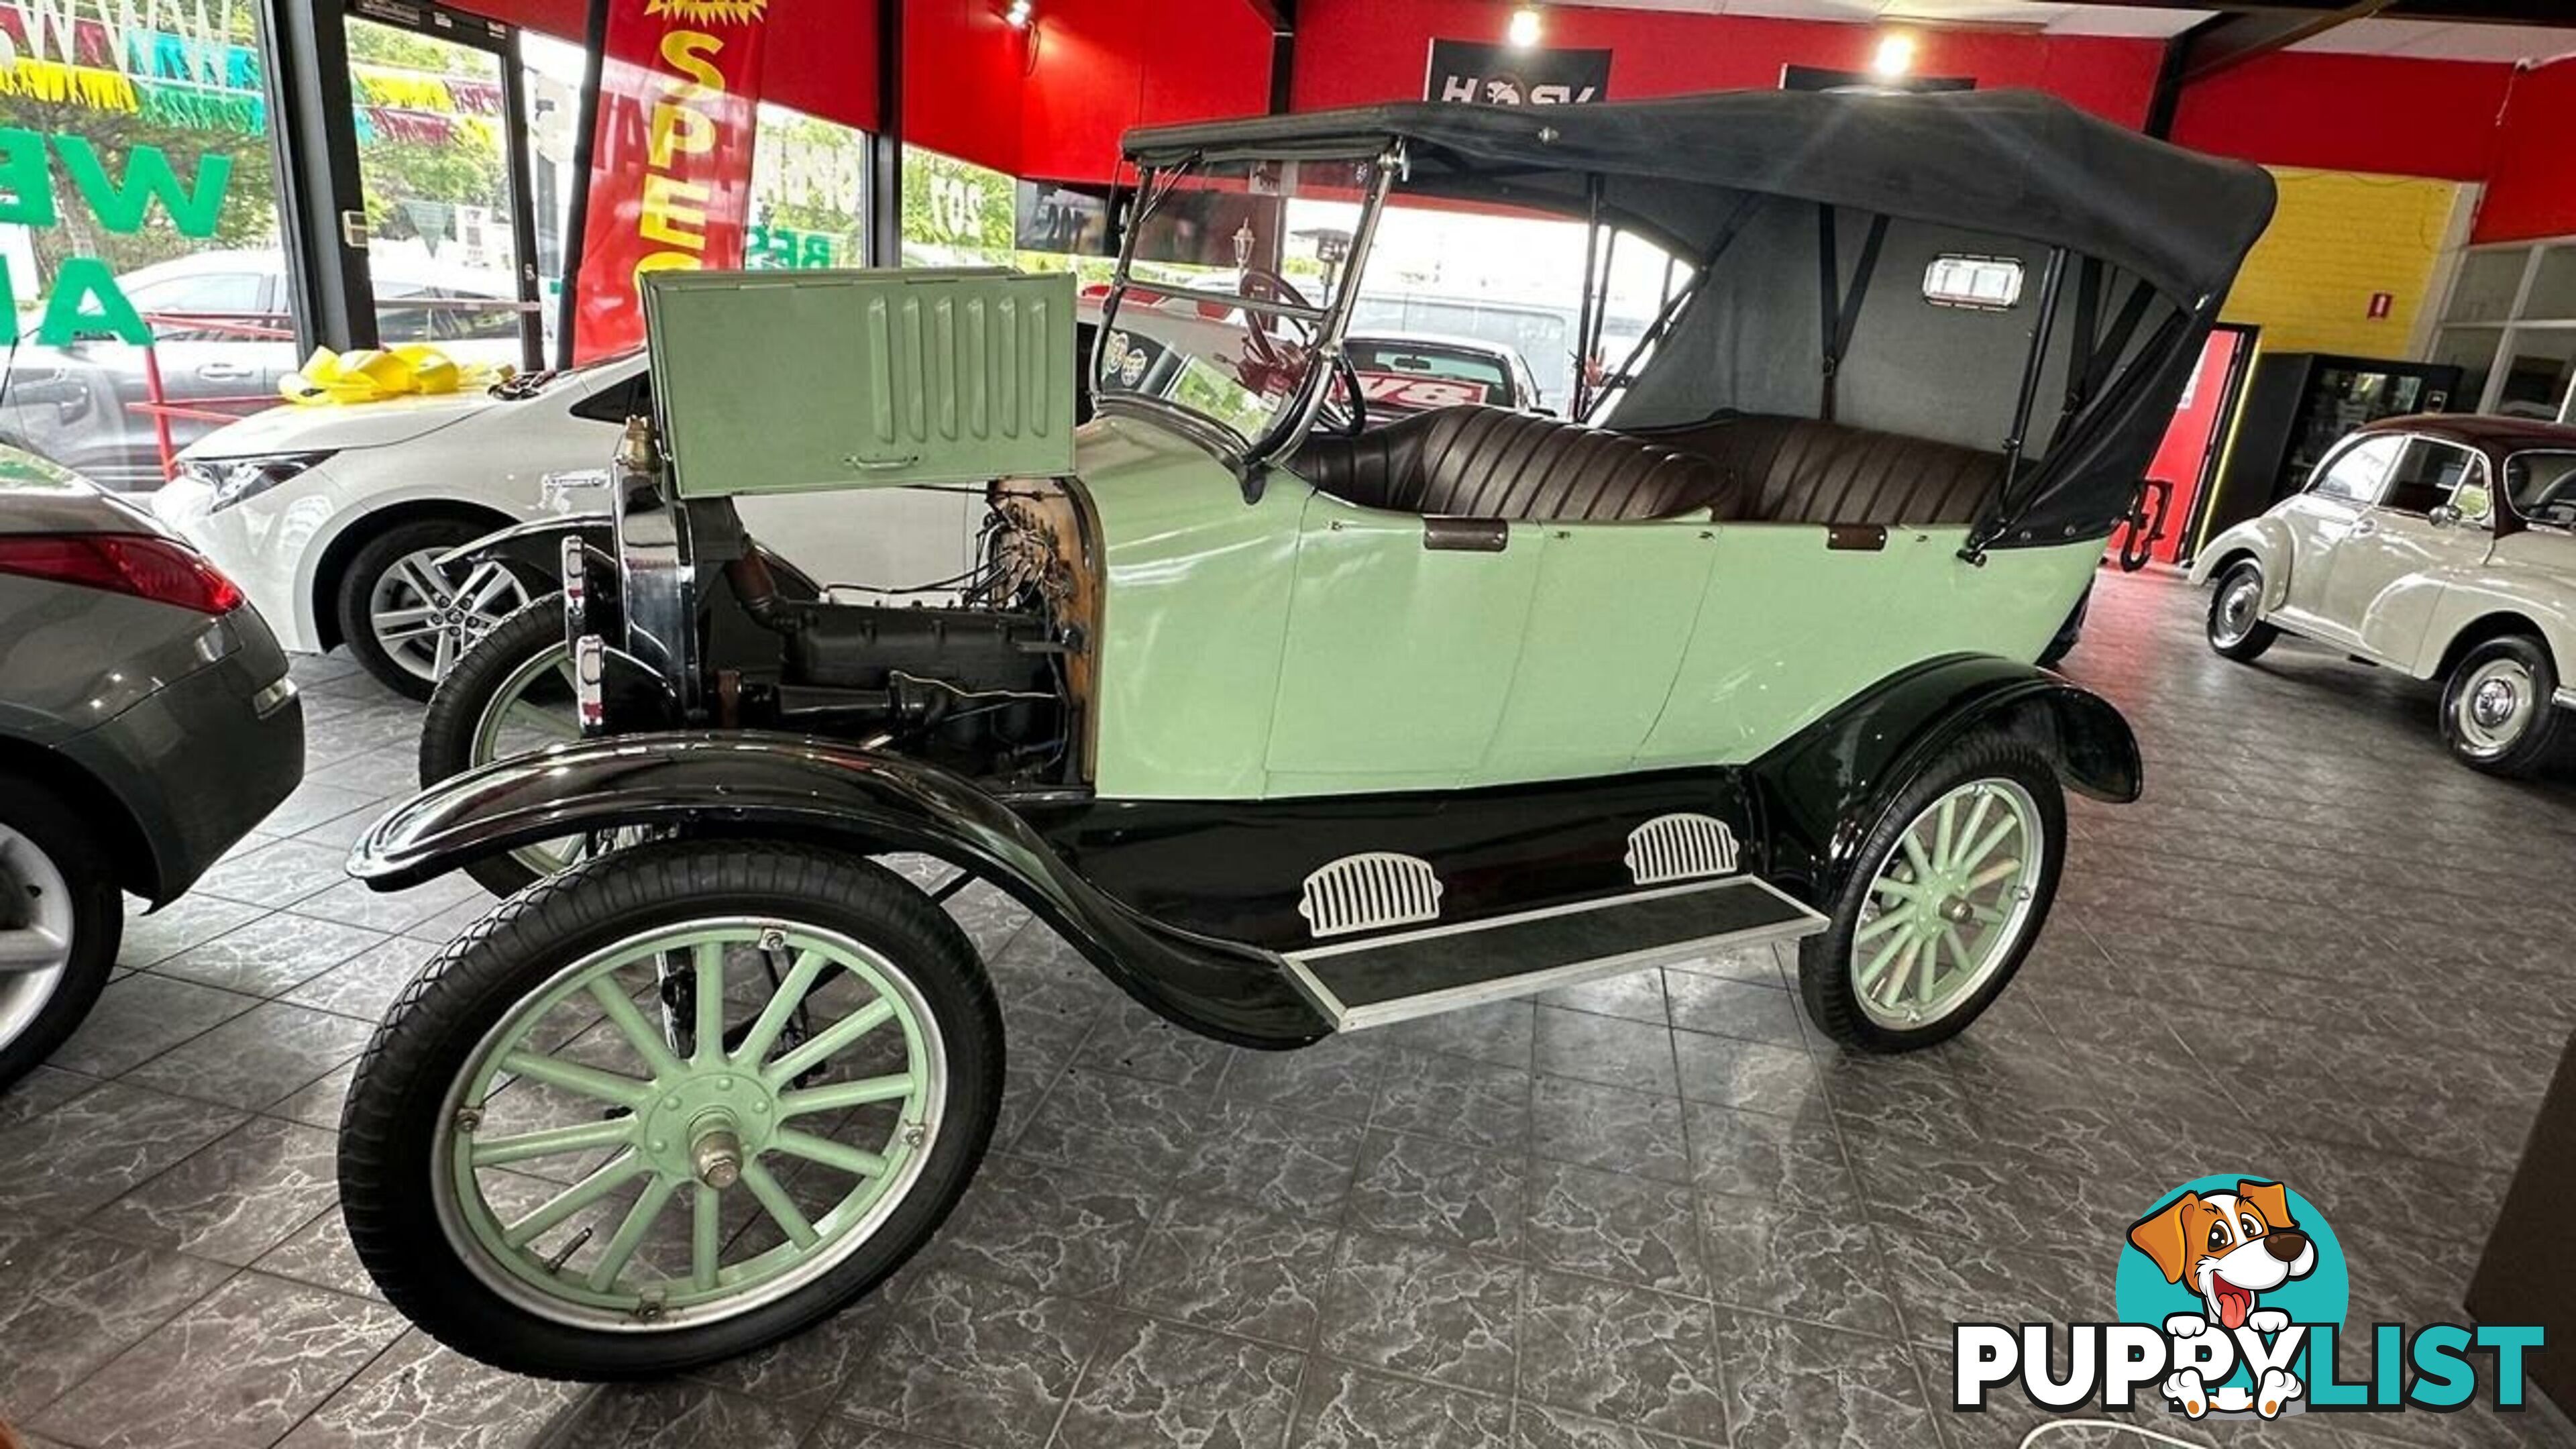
[230, 480]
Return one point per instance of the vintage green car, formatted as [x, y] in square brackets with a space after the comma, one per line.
[1290, 728]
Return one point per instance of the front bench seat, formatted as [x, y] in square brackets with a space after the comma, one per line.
[1800, 470]
[1485, 462]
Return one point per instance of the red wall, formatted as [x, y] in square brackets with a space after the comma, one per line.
[2351, 113]
[819, 56]
[1103, 66]
[2532, 191]
[1354, 51]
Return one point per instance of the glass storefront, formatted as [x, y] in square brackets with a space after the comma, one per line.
[2510, 323]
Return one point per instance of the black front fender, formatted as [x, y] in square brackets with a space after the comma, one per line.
[784, 785]
[1822, 789]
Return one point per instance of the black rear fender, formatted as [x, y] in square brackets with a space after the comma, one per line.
[785, 786]
[1823, 788]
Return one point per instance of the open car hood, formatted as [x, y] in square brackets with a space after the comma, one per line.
[337, 427]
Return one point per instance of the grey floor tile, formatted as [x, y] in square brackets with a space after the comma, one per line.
[802, 1375]
[1055, 1229]
[1426, 1312]
[1611, 1225]
[1633, 1054]
[365, 985]
[270, 955]
[258, 1058]
[1272, 1157]
[1502, 1032]
[353, 903]
[317, 1104]
[319, 1253]
[71, 1300]
[675, 1416]
[177, 926]
[278, 873]
[1456, 1196]
[1346, 1407]
[1438, 1095]
[1609, 1127]
[41, 1090]
[84, 1153]
[141, 1016]
[1819, 1266]
[980, 1362]
[1132, 1040]
[417, 1394]
[1541, 1426]
[238, 1368]
[1795, 1160]
[1336, 1077]
[1757, 1076]
[1159, 1383]
[1629, 1355]
[1233, 1268]
[1794, 1384]
[1114, 1124]
[1753, 1011]
[236, 1197]
[1638, 996]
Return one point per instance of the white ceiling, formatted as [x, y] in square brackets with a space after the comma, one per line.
[2430, 40]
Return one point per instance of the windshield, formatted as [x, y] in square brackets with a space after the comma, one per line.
[2543, 486]
[1228, 302]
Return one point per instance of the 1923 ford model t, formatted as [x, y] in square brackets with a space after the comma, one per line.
[1289, 728]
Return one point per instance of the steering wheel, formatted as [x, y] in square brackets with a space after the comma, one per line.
[1256, 325]
[1347, 414]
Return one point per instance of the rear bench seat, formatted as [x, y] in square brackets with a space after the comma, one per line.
[1481, 462]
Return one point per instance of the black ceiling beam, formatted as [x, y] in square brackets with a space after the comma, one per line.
[2224, 42]
[1281, 17]
[2472, 12]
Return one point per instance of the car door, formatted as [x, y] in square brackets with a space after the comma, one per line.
[207, 366]
[2343, 489]
[2432, 517]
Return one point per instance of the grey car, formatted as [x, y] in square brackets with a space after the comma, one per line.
[146, 724]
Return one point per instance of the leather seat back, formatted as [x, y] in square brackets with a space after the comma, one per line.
[1481, 462]
[1800, 470]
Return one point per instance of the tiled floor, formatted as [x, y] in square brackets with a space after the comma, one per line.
[1653, 1211]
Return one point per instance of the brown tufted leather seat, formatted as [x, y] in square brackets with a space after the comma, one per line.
[1799, 470]
[1480, 462]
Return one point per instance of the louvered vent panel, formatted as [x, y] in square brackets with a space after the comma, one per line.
[1680, 847]
[1370, 891]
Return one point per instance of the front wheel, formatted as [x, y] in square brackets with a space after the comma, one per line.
[2236, 627]
[512, 693]
[1943, 900]
[406, 619]
[2498, 713]
[669, 1106]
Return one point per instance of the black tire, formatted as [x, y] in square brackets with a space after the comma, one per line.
[2070, 633]
[358, 582]
[2543, 724]
[2247, 640]
[1825, 960]
[389, 1124]
[97, 919]
[456, 715]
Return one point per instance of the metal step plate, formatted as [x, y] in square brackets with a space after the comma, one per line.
[1443, 968]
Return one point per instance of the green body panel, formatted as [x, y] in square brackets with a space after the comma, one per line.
[1302, 646]
[786, 382]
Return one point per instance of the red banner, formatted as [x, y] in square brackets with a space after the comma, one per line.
[670, 161]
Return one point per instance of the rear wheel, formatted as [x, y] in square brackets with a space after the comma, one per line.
[512, 693]
[2236, 627]
[669, 1106]
[406, 619]
[1944, 899]
[2498, 713]
[60, 918]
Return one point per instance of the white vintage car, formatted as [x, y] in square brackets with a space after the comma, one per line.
[2444, 546]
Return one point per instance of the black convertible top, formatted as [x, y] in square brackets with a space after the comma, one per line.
[2015, 162]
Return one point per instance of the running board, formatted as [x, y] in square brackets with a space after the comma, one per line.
[1443, 968]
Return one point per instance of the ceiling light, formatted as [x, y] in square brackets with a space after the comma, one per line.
[1020, 13]
[1895, 55]
[1523, 32]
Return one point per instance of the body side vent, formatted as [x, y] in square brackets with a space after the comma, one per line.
[1370, 891]
[1680, 847]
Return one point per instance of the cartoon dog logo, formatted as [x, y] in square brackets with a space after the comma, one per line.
[2230, 1247]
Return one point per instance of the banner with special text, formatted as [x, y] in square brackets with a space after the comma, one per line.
[670, 159]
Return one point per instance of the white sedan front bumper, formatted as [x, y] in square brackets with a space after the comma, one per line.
[260, 548]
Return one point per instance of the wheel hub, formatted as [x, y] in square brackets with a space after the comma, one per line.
[706, 1124]
[2494, 703]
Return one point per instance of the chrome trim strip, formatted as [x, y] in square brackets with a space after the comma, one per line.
[1384, 1013]
[2565, 697]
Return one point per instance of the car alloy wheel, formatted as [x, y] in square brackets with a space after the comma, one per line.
[2240, 608]
[2493, 706]
[425, 617]
[1949, 904]
[713, 1133]
[37, 930]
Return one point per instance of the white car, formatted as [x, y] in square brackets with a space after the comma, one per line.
[2444, 546]
[333, 519]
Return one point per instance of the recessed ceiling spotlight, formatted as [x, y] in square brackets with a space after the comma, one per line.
[1895, 55]
[1020, 13]
[1525, 28]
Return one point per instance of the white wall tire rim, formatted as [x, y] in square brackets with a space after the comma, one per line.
[2494, 707]
[1948, 905]
[2240, 607]
[424, 618]
[37, 932]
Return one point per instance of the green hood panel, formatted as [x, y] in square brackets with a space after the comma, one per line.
[1299, 645]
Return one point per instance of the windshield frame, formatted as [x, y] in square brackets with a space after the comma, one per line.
[1296, 417]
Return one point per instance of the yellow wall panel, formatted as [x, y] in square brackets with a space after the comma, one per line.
[2339, 238]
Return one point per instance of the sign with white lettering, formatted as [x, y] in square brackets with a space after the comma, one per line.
[1496, 75]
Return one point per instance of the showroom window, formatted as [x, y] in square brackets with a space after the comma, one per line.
[2510, 324]
[139, 234]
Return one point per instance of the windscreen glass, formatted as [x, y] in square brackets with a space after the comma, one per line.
[2543, 486]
